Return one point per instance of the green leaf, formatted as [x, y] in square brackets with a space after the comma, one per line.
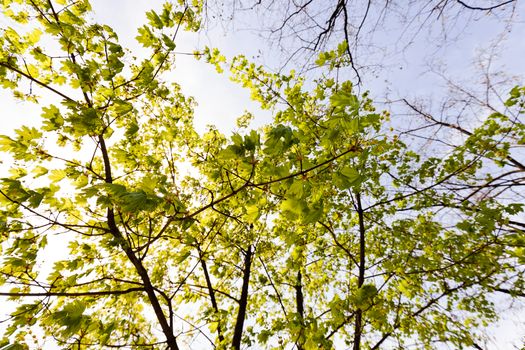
[296, 190]
[145, 37]
[40, 171]
[70, 316]
[6, 143]
[363, 295]
[154, 19]
[351, 173]
[183, 255]
[136, 201]
[57, 175]
[252, 213]
[347, 177]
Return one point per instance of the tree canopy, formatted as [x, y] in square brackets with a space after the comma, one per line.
[322, 229]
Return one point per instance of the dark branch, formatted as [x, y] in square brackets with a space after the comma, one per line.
[488, 8]
[72, 294]
[243, 301]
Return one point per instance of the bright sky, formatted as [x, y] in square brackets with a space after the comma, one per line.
[220, 101]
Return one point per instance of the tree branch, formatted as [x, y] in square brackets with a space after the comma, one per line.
[358, 328]
[488, 8]
[71, 294]
[44, 85]
[243, 301]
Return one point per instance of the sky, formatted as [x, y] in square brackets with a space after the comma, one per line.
[221, 101]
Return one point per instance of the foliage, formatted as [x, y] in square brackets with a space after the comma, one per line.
[321, 228]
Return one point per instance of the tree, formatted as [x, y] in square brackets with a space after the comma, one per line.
[372, 30]
[320, 229]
